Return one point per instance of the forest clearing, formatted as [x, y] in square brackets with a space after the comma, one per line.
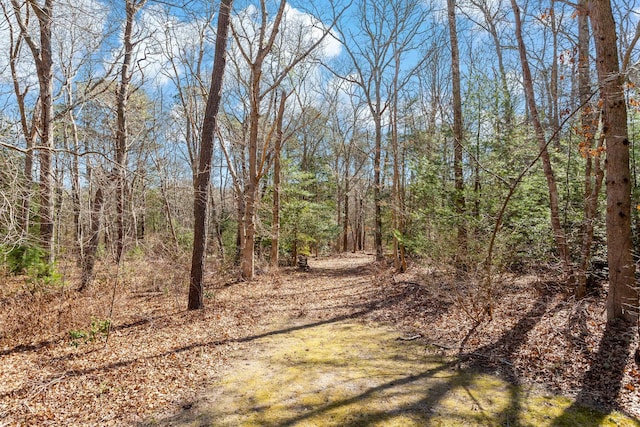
[335, 212]
[251, 357]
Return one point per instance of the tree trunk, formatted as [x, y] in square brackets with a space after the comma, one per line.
[339, 210]
[25, 215]
[554, 115]
[42, 55]
[71, 144]
[215, 222]
[593, 173]
[240, 228]
[556, 226]
[89, 259]
[345, 219]
[196, 285]
[167, 207]
[377, 186]
[622, 301]
[121, 130]
[247, 268]
[75, 187]
[275, 228]
[45, 75]
[363, 226]
[458, 201]
[357, 241]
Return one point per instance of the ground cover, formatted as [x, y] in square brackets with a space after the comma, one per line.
[367, 346]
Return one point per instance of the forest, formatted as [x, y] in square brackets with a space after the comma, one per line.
[435, 203]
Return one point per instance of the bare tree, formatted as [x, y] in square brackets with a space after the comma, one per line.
[384, 31]
[209, 125]
[262, 51]
[131, 8]
[559, 234]
[28, 121]
[622, 300]
[41, 49]
[347, 135]
[493, 13]
[89, 257]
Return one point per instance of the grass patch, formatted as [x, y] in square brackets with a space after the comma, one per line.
[348, 374]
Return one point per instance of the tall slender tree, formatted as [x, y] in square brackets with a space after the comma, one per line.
[559, 234]
[622, 300]
[270, 59]
[593, 173]
[42, 52]
[385, 30]
[203, 175]
[277, 171]
[458, 134]
[122, 97]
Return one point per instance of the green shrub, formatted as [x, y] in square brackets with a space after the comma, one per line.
[41, 280]
[20, 259]
[99, 330]
[76, 336]
[31, 260]
[135, 253]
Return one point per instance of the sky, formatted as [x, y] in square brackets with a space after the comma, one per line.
[168, 38]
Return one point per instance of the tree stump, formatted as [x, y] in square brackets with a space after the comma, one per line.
[303, 263]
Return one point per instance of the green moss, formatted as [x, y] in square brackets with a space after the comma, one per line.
[347, 374]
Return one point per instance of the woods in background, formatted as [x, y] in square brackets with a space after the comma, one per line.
[394, 127]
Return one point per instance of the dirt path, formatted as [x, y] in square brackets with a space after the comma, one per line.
[317, 363]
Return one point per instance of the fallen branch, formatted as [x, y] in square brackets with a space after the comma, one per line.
[410, 338]
[43, 387]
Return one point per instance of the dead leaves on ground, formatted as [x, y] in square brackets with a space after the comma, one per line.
[158, 356]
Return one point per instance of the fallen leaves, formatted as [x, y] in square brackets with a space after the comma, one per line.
[160, 356]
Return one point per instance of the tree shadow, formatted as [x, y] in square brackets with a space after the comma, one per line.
[354, 309]
[435, 385]
[358, 270]
[498, 356]
[421, 410]
[577, 331]
[27, 348]
[602, 382]
[123, 363]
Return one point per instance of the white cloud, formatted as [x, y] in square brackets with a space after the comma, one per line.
[309, 30]
[161, 38]
[79, 30]
[25, 65]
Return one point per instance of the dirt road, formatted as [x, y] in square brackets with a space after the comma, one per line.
[319, 363]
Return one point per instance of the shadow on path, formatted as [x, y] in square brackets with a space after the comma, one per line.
[337, 372]
[602, 382]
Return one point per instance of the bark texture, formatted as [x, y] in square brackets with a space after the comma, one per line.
[201, 196]
[556, 226]
[622, 301]
[459, 200]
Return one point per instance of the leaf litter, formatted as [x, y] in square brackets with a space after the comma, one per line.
[160, 360]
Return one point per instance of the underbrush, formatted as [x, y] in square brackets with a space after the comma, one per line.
[42, 310]
[127, 346]
[538, 332]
